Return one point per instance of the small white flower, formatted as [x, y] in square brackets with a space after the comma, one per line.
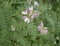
[42, 29]
[36, 3]
[24, 12]
[12, 28]
[26, 19]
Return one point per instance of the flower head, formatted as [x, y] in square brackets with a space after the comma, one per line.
[42, 29]
[36, 3]
[31, 13]
[12, 28]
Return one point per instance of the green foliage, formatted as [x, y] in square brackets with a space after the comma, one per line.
[27, 34]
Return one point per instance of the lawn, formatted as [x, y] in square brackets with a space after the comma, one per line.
[29, 22]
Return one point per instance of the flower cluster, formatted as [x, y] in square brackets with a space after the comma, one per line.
[30, 14]
[42, 29]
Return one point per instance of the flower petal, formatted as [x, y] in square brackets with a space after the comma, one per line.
[24, 12]
[41, 24]
[34, 15]
[31, 8]
[44, 31]
[26, 19]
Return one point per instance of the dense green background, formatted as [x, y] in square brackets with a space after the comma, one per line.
[27, 34]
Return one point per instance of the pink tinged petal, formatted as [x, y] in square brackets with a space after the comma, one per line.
[34, 15]
[43, 31]
[26, 19]
[30, 10]
[40, 26]
[24, 12]
[36, 3]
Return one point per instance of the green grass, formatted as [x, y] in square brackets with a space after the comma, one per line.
[27, 34]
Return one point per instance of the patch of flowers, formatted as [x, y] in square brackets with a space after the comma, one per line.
[30, 14]
[42, 29]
